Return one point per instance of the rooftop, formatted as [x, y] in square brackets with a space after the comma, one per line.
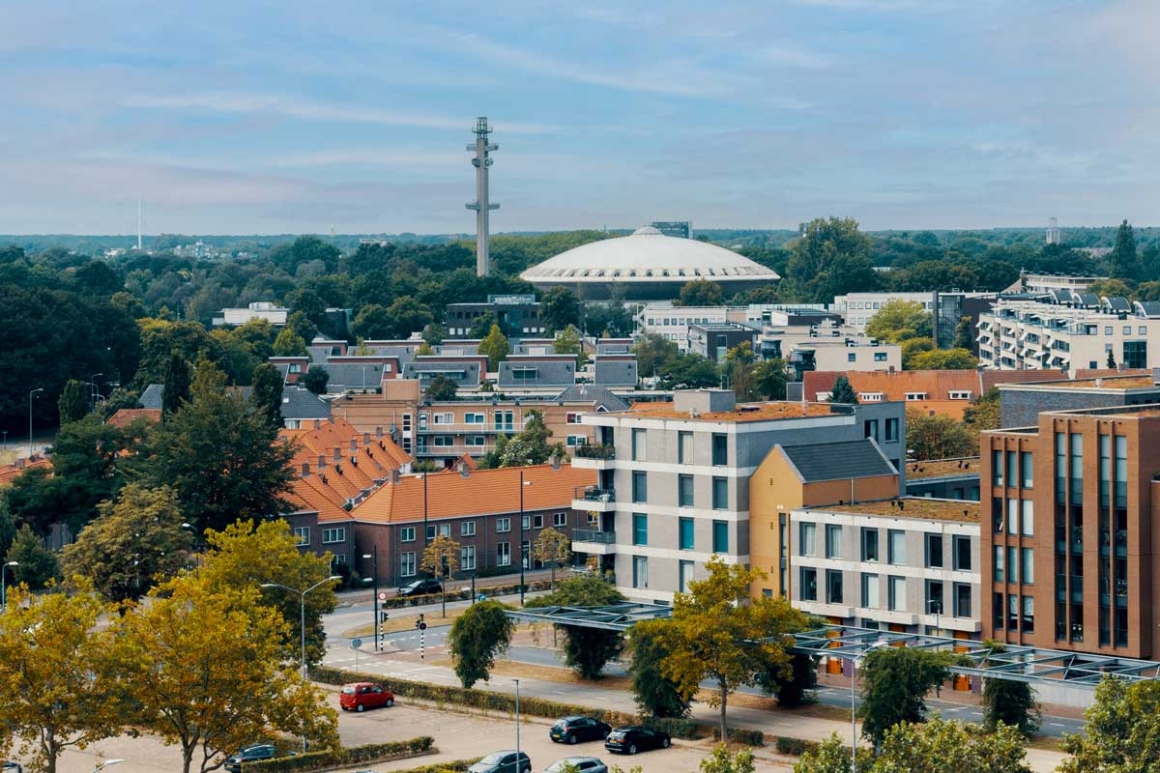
[838, 461]
[939, 468]
[746, 412]
[1108, 382]
[912, 507]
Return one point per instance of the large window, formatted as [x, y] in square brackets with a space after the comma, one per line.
[809, 584]
[833, 586]
[962, 600]
[302, 535]
[685, 571]
[896, 546]
[720, 493]
[467, 529]
[640, 487]
[999, 565]
[685, 490]
[934, 551]
[720, 450]
[407, 564]
[1028, 523]
[1012, 467]
[870, 591]
[503, 524]
[639, 445]
[684, 448]
[997, 467]
[334, 534]
[406, 533]
[808, 544]
[1027, 566]
[467, 558]
[934, 597]
[639, 529]
[685, 538]
[896, 594]
[1027, 466]
[833, 541]
[962, 553]
[640, 571]
[720, 536]
[503, 554]
[869, 544]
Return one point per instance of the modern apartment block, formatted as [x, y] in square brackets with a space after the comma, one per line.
[1021, 404]
[675, 479]
[1070, 544]
[909, 565]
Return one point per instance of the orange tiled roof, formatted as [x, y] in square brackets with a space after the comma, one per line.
[745, 412]
[11, 472]
[483, 492]
[126, 416]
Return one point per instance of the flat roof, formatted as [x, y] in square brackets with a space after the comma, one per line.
[911, 507]
[940, 468]
[745, 412]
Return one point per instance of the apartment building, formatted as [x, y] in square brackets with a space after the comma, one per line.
[946, 308]
[1070, 545]
[910, 565]
[1021, 404]
[674, 479]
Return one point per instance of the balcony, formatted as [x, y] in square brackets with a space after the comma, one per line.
[593, 542]
[594, 457]
[594, 499]
[435, 428]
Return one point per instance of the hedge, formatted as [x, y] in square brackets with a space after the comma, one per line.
[741, 735]
[794, 746]
[335, 758]
[463, 594]
[455, 766]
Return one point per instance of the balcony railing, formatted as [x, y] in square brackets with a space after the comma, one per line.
[487, 428]
[595, 494]
[594, 535]
[594, 452]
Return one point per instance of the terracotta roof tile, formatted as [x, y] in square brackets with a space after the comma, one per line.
[126, 416]
[11, 472]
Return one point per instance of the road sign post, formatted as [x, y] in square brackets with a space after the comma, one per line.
[355, 643]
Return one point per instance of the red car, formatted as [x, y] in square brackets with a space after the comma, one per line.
[361, 696]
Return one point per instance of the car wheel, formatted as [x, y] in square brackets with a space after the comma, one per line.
[666, 743]
[572, 739]
[632, 749]
[527, 770]
[390, 702]
[360, 708]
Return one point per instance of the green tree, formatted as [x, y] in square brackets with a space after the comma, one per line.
[482, 325]
[1124, 261]
[721, 635]
[74, 402]
[316, 379]
[770, 379]
[586, 650]
[441, 559]
[964, 334]
[131, 545]
[984, 411]
[567, 341]
[689, 371]
[441, 388]
[408, 316]
[913, 348]
[723, 761]
[830, 756]
[791, 686]
[895, 681]
[288, 344]
[652, 352]
[842, 392]
[701, 292]
[476, 638]
[529, 446]
[655, 693]
[175, 389]
[433, 335]
[1121, 730]
[553, 548]
[831, 258]
[373, 321]
[560, 308]
[943, 359]
[266, 396]
[1011, 703]
[495, 347]
[1111, 361]
[939, 437]
[424, 350]
[941, 745]
[738, 368]
[37, 566]
[898, 320]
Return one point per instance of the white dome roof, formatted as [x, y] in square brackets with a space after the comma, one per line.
[648, 256]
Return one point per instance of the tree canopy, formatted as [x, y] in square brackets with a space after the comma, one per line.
[476, 638]
[586, 650]
[1121, 730]
[898, 320]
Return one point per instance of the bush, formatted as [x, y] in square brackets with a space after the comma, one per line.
[741, 735]
[455, 766]
[795, 746]
[334, 758]
[677, 727]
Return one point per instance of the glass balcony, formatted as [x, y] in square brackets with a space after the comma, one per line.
[594, 452]
[594, 535]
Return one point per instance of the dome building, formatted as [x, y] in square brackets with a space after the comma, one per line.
[648, 266]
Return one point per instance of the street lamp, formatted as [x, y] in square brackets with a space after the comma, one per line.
[3, 587]
[93, 391]
[936, 605]
[374, 556]
[106, 764]
[517, 681]
[523, 551]
[30, 395]
[853, 709]
[302, 630]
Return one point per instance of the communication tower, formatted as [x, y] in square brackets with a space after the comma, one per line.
[482, 204]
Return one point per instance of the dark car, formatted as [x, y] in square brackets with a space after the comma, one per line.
[421, 588]
[503, 762]
[630, 740]
[574, 729]
[252, 753]
[581, 764]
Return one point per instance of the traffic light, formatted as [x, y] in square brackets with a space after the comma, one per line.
[383, 616]
[421, 624]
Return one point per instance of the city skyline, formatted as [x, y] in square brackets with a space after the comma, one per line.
[294, 118]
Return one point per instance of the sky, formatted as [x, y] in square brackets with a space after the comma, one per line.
[300, 116]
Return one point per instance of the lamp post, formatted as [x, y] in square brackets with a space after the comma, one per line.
[374, 556]
[425, 539]
[936, 605]
[853, 708]
[523, 552]
[517, 681]
[30, 396]
[302, 630]
[3, 587]
[93, 391]
[106, 764]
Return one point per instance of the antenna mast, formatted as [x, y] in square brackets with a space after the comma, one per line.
[482, 204]
[139, 221]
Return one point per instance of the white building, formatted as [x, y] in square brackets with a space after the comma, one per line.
[1045, 283]
[271, 312]
[858, 308]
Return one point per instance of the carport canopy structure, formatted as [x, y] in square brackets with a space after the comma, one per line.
[616, 617]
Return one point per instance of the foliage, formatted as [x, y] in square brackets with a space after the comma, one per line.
[567, 341]
[689, 371]
[38, 566]
[964, 334]
[741, 735]
[652, 352]
[441, 388]
[831, 258]
[316, 379]
[798, 747]
[1124, 261]
[74, 401]
[476, 638]
[266, 394]
[175, 387]
[939, 437]
[943, 359]
[288, 344]
[440, 557]
[941, 746]
[1121, 730]
[530, 445]
[560, 308]
[722, 761]
[553, 548]
[495, 347]
[913, 347]
[770, 379]
[792, 685]
[654, 693]
[61, 690]
[1011, 703]
[586, 650]
[895, 681]
[898, 320]
[842, 392]
[983, 412]
[720, 634]
[346, 756]
[701, 292]
[131, 544]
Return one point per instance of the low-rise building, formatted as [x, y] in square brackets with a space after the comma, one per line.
[517, 315]
[551, 372]
[1021, 404]
[270, 312]
[715, 339]
[944, 478]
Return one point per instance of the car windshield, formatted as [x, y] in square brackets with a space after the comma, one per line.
[492, 759]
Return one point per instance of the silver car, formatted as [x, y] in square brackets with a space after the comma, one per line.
[578, 764]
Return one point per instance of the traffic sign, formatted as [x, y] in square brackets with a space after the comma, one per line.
[382, 595]
[422, 626]
[355, 643]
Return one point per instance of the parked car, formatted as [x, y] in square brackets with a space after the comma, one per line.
[503, 762]
[360, 696]
[421, 588]
[251, 753]
[574, 729]
[581, 764]
[11, 767]
[631, 740]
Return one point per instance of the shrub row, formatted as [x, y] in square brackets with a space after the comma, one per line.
[794, 746]
[455, 766]
[463, 594]
[677, 727]
[334, 758]
[741, 735]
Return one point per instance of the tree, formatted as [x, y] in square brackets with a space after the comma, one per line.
[61, 689]
[689, 371]
[895, 681]
[1121, 730]
[943, 359]
[441, 388]
[316, 379]
[476, 638]
[266, 394]
[407, 316]
[898, 320]
[830, 756]
[984, 412]
[842, 392]
[1124, 262]
[373, 321]
[74, 402]
[567, 341]
[941, 745]
[529, 446]
[721, 635]
[770, 378]
[289, 344]
[1111, 363]
[175, 389]
[1011, 703]
[791, 685]
[722, 761]
[831, 258]
[38, 567]
[441, 559]
[495, 347]
[131, 544]
[913, 347]
[701, 292]
[205, 670]
[655, 693]
[965, 334]
[482, 325]
[939, 437]
[559, 308]
[738, 367]
[586, 650]
[652, 352]
[553, 548]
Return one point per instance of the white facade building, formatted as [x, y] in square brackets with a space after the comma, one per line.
[271, 312]
[858, 308]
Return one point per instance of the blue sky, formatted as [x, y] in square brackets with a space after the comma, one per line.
[300, 116]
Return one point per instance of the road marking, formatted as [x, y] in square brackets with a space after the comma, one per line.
[1055, 724]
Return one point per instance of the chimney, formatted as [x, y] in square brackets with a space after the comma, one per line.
[354, 445]
[317, 424]
[366, 439]
[337, 453]
[321, 461]
[306, 469]
[379, 430]
[394, 476]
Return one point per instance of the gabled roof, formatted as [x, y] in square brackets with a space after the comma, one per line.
[151, 397]
[302, 404]
[11, 472]
[837, 461]
[601, 398]
[126, 416]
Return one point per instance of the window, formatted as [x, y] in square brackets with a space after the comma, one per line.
[639, 445]
[1127, 330]
[444, 530]
[685, 571]
[869, 544]
[997, 467]
[809, 540]
[1108, 330]
[1027, 566]
[685, 534]
[720, 493]
[537, 521]
[1028, 524]
[467, 529]
[503, 524]
[809, 584]
[833, 586]
[720, 450]
[851, 356]
[639, 529]
[962, 553]
[407, 564]
[870, 591]
[896, 594]
[934, 597]
[960, 395]
[473, 418]
[891, 430]
[833, 541]
[1027, 466]
[685, 490]
[912, 397]
[962, 600]
[684, 448]
[870, 397]
[997, 616]
[503, 554]
[335, 534]
[1012, 516]
[872, 428]
[577, 440]
[559, 519]
[1028, 614]
[879, 356]
[431, 532]
[302, 534]
[640, 571]
[640, 487]
[572, 418]
[896, 546]
[934, 550]
[407, 534]
[1012, 470]
[720, 537]
[467, 558]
